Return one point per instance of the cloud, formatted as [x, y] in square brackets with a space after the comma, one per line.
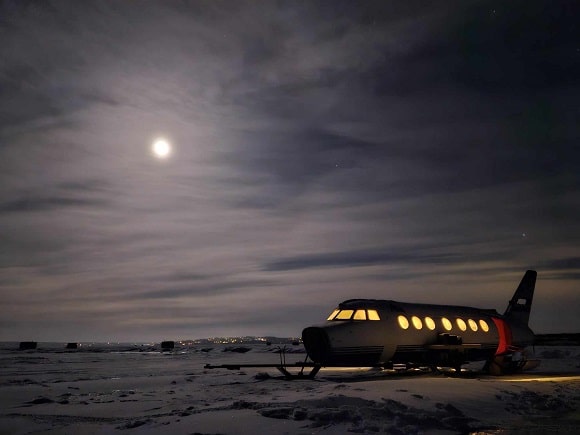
[317, 148]
[563, 263]
[364, 258]
[45, 204]
[207, 289]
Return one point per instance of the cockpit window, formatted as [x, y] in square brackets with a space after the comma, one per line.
[334, 313]
[360, 314]
[344, 315]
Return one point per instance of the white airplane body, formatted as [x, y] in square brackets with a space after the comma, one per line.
[369, 332]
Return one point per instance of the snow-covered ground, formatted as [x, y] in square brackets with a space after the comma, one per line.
[146, 392]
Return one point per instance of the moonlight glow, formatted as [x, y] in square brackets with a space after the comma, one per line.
[161, 148]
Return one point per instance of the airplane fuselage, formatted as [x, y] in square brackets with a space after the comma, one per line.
[368, 332]
[386, 333]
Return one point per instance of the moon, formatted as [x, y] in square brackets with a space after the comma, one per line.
[161, 148]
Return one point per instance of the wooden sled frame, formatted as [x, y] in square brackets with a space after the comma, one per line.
[282, 368]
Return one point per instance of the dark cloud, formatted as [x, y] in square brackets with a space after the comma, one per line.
[562, 263]
[85, 186]
[208, 289]
[518, 46]
[375, 257]
[180, 277]
[497, 49]
[46, 204]
[564, 276]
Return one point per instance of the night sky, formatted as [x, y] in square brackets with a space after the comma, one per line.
[320, 151]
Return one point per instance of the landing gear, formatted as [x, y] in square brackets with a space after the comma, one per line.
[502, 365]
[450, 351]
[514, 362]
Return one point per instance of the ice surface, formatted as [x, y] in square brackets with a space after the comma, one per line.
[137, 390]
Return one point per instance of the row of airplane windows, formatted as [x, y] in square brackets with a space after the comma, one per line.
[416, 321]
[445, 322]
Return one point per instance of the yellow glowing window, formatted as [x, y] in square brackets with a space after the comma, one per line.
[430, 323]
[360, 315]
[344, 315]
[373, 315]
[417, 322]
[461, 324]
[334, 313]
[403, 322]
[446, 323]
[472, 325]
[484, 326]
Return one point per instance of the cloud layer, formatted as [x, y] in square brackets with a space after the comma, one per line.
[321, 152]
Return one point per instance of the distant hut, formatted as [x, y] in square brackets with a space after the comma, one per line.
[27, 345]
[167, 345]
[72, 345]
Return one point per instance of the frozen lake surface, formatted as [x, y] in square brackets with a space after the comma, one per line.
[110, 389]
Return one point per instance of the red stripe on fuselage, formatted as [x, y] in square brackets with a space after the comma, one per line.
[505, 336]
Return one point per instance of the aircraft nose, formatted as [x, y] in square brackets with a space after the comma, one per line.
[316, 343]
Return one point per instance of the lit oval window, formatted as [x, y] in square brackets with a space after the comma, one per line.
[334, 313]
[472, 325]
[430, 323]
[461, 324]
[417, 322]
[403, 322]
[484, 326]
[446, 323]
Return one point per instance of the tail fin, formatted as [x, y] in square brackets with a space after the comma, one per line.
[521, 303]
